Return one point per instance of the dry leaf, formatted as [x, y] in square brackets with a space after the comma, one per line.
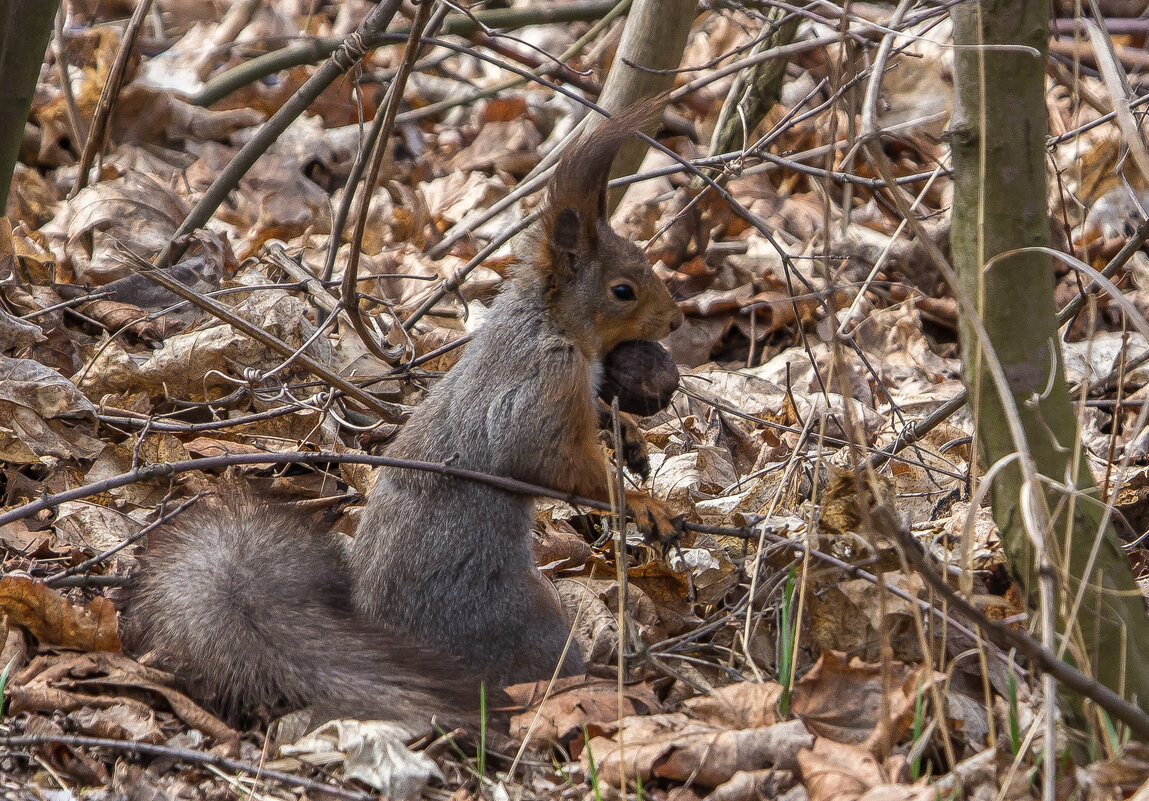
[575, 704]
[752, 785]
[372, 751]
[135, 212]
[53, 620]
[838, 772]
[742, 705]
[848, 702]
[73, 681]
[674, 747]
[36, 407]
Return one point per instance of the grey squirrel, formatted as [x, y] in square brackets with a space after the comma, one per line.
[257, 612]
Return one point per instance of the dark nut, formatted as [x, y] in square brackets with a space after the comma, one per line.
[641, 374]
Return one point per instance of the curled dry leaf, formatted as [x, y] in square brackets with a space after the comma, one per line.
[559, 546]
[135, 211]
[677, 748]
[595, 627]
[93, 528]
[682, 478]
[842, 772]
[847, 702]
[62, 759]
[30, 198]
[121, 721]
[184, 366]
[149, 116]
[1123, 776]
[53, 620]
[35, 402]
[374, 752]
[575, 704]
[115, 316]
[511, 146]
[751, 785]
[17, 333]
[743, 705]
[73, 681]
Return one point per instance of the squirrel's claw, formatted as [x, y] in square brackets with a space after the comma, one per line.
[654, 518]
[633, 443]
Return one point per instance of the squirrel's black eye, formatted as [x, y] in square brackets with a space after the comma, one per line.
[623, 291]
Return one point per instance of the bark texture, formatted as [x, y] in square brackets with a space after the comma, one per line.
[653, 39]
[998, 133]
[25, 26]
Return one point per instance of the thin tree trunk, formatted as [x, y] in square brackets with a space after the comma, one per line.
[653, 39]
[1000, 203]
[25, 26]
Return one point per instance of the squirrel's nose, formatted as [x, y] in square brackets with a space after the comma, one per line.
[676, 321]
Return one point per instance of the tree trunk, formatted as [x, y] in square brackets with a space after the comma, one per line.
[1000, 203]
[653, 38]
[25, 26]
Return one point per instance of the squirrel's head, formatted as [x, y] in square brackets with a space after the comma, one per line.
[598, 286]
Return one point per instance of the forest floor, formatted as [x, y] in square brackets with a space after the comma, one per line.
[783, 647]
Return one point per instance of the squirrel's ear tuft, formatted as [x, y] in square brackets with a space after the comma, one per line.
[578, 188]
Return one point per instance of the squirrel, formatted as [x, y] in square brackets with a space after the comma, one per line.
[259, 614]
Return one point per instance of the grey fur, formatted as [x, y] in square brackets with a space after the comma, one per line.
[251, 608]
[468, 583]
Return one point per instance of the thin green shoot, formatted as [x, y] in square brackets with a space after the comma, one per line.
[786, 643]
[1111, 734]
[919, 726]
[4, 674]
[482, 755]
[592, 769]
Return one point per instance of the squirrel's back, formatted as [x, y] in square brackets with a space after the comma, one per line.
[450, 560]
[251, 608]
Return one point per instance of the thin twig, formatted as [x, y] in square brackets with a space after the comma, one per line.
[350, 298]
[350, 52]
[79, 133]
[88, 564]
[111, 91]
[1042, 658]
[186, 755]
[255, 332]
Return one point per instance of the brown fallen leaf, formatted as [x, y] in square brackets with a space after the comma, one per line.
[67, 682]
[17, 333]
[848, 702]
[751, 785]
[575, 703]
[1120, 777]
[135, 211]
[676, 748]
[838, 772]
[42, 414]
[743, 705]
[120, 721]
[559, 546]
[114, 316]
[210, 446]
[81, 767]
[53, 620]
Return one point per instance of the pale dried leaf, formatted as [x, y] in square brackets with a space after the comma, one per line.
[374, 752]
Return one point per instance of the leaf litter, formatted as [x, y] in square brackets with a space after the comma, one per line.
[759, 661]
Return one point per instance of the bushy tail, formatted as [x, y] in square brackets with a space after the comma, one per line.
[251, 608]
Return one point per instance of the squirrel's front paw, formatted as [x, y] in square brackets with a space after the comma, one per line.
[654, 518]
